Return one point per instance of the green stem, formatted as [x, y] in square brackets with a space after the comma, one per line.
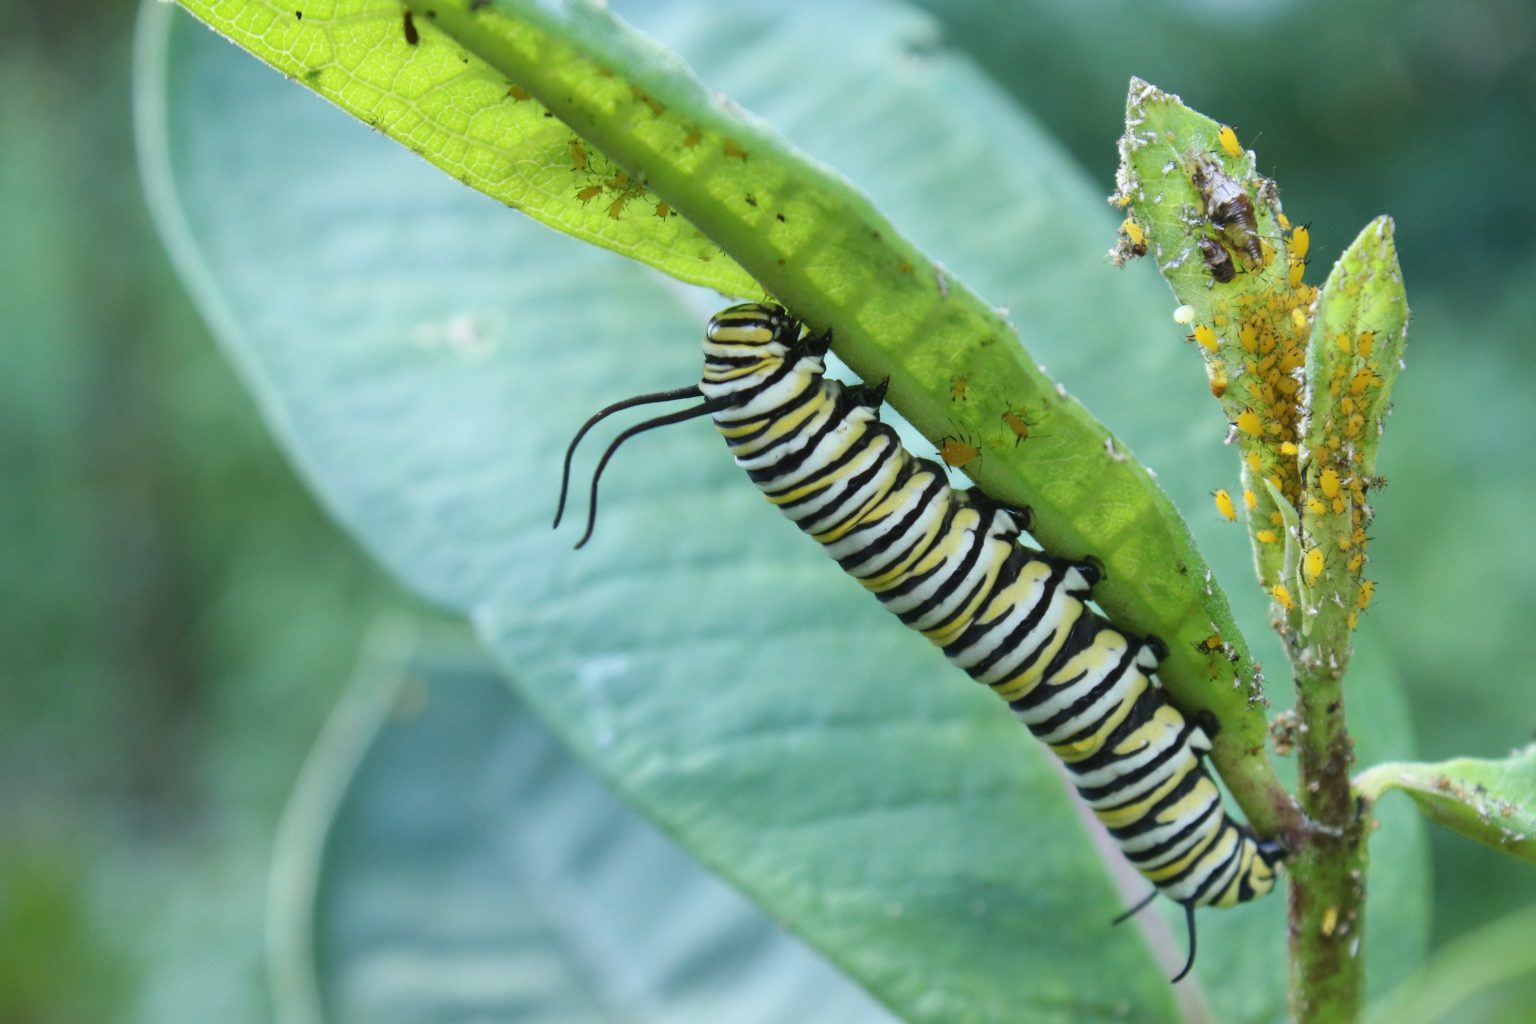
[1327, 869]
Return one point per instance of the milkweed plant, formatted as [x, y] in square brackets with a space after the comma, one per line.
[818, 758]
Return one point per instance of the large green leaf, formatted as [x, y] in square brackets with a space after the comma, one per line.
[479, 88]
[425, 355]
[445, 858]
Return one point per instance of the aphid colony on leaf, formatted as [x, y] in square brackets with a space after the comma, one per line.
[1254, 342]
[950, 564]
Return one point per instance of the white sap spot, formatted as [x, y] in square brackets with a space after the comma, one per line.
[592, 678]
[470, 336]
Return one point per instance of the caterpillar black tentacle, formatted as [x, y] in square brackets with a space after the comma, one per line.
[691, 391]
[949, 563]
[602, 463]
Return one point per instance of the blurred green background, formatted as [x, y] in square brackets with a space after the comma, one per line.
[177, 615]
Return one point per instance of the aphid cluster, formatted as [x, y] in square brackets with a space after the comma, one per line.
[1337, 481]
[1255, 342]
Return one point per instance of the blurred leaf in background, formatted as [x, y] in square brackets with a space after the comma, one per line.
[176, 615]
[447, 858]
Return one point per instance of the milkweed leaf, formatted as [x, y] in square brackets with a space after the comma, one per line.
[1491, 801]
[804, 234]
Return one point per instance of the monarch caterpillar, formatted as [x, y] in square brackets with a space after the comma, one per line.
[950, 564]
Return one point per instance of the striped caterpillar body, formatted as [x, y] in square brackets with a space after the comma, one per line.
[950, 564]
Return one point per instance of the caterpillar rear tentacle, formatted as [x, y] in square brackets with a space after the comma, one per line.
[950, 564]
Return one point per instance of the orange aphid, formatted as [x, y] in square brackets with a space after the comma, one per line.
[958, 453]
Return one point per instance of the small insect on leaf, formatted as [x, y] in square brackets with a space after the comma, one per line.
[1206, 337]
[1296, 272]
[1218, 262]
[1019, 424]
[957, 452]
[1249, 423]
[1328, 480]
[412, 37]
[1228, 139]
[1312, 565]
[578, 155]
[1301, 241]
[1250, 500]
[1224, 505]
[1282, 596]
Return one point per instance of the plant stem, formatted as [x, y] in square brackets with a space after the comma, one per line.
[1327, 871]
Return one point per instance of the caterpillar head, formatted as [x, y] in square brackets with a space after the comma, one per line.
[751, 327]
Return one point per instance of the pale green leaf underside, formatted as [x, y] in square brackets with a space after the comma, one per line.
[1492, 801]
[447, 859]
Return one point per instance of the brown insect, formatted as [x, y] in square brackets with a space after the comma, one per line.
[1229, 209]
[1217, 260]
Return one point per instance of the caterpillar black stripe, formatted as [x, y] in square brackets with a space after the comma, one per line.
[950, 564]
